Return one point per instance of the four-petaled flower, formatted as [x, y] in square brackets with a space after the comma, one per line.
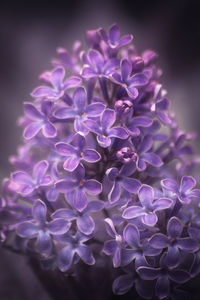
[84, 221]
[128, 82]
[163, 275]
[73, 250]
[173, 242]
[27, 184]
[113, 40]
[59, 87]
[39, 120]
[104, 130]
[80, 111]
[76, 186]
[38, 227]
[149, 206]
[76, 153]
[121, 180]
[185, 192]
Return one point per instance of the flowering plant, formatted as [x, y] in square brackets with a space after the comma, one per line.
[103, 172]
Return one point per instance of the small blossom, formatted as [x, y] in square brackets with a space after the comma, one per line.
[149, 206]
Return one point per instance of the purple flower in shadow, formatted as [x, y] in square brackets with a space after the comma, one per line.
[185, 192]
[163, 275]
[124, 283]
[80, 111]
[59, 86]
[104, 130]
[128, 82]
[137, 250]
[113, 39]
[149, 206]
[76, 187]
[173, 242]
[27, 184]
[73, 250]
[76, 153]
[40, 121]
[84, 221]
[121, 180]
[41, 229]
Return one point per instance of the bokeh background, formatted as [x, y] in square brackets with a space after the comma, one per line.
[29, 34]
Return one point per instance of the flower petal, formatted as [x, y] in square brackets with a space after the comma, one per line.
[49, 130]
[162, 203]
[131, 185]
[85, 224]
[85, 254]
[58, 226]
[146, 195]
[91, 156]
[174, 227]
[44, 243]
[40, 170]
[118, 132]
[94, 109]
[32, 130]
[132, 236]
[65, 149]
[65, 186]
[79, 98]
[93, 187]
[148, 273]
[187, 184]
[71, 163]
[27, 230]
[39, 211]
[159, 241]
[152, 158]
[133, 212]
[150, 219]
[108, 119]
[65, 258]
[187, 244]
[79, 200]
[32, 112]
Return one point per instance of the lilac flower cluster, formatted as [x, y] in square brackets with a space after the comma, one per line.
[101, 172]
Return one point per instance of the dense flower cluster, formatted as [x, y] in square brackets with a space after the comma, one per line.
[104, 162]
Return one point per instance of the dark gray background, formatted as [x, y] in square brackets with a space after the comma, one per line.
[29, 35]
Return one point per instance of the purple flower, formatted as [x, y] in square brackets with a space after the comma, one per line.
[149, 206]
[59, 87]
[163, 275]
[134, 123]
[113, 40]
[97, 66]
[121, 180]
[41, 229]
[104, 130]
[80, 111]
[76, 153]
[137, 250]
[27, 184]
[128, 82]
[173, 242]
[76, 187]
[123, 107]
[145, 155]
[73, 250]
[84, 221]
[39, 120]
[186, 192]
[124, 283]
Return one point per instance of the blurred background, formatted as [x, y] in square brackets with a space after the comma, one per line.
[29, 34]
